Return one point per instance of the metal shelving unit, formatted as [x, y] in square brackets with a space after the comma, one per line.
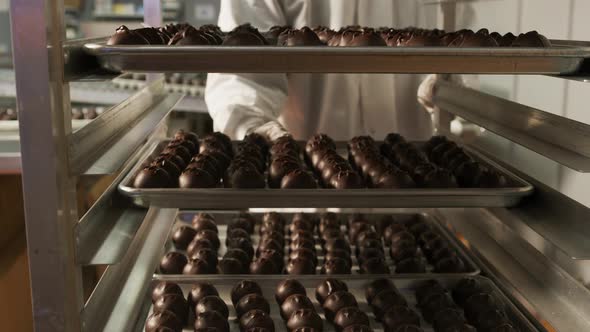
[534, 252]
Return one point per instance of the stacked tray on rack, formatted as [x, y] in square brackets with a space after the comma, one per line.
[354, 245]
[410, 51]
[442, 304]
[189, 172]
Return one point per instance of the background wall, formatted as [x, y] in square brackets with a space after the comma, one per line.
[563, 19]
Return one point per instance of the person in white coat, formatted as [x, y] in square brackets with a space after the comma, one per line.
[339, 105]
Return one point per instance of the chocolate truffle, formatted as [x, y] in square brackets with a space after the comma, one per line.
[163, 319]
[201, 215]
[303, 253]
[198, 266]
[298, 179]
[450, 264]
[403, 250]
[336, 301]
[268, 243]
[241, 243]
[434, 303]
[243, 223]
[200, 224]
[403, 236]
[419, 228]
[468, 328]
[428, 288]
[264, 265]
[447, 318]
[199, 291]
[209, 235]
[229, 265]
[302, 242]
[167, 164]
[392, 230]
[377, 286]
[287, 288]
[305, 318]
[336, 266]
[211, 319]
[174, 303]
[212, 303]
[365, 254]
[394, 179]
[273, 218]
[257, 329]
[165, 287]
[350, 316]
[173, 263]
[294, 303]
[252, 302]
[196, 178]
[152, 177]
[440, 178]
[125, 36]
[385, 300]
[357, 328]
[443, 252]
[531, 39]
[256, 318]
[246, 178]
[279, 168]
[375, 265]
[346, 180]
[197, 244]
[328, 287]
[399, 315]
[298, 37]
[324, 33]
[208, 255]
[480, 302]
[410, 265]
[244, 35]
[189, 36]
[275, 256]
[300, 265]
[243, 288]
[187, 135]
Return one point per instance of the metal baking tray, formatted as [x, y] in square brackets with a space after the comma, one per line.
[406, 286]
[565, 57]
[222, 219]
[228, 198]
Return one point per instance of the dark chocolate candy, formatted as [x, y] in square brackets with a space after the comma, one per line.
[212, 303]
[243, 288]
[328, 287]
[287, 288]
[213, 319]
[173, 263]
[252, 302]
[305, 318]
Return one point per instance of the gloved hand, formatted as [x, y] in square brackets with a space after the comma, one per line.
[426, 88]
[271, 130]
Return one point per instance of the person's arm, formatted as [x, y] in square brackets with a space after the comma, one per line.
[244, 103]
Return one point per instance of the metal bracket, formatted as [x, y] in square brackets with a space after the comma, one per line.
[129, 122]
[560, 139]
[550, 294]
[116, 301]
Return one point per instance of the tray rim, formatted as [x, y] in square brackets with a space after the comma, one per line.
[152, 195]
[564, 58]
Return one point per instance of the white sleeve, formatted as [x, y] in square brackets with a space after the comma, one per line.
[240, 103]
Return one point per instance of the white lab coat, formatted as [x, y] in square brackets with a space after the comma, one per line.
[340, 105]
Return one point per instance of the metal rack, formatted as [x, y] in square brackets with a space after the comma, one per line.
[534, 252]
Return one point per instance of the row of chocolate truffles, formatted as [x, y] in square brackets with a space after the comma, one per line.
[247, 35]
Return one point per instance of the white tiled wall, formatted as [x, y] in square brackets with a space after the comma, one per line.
[557, 19]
